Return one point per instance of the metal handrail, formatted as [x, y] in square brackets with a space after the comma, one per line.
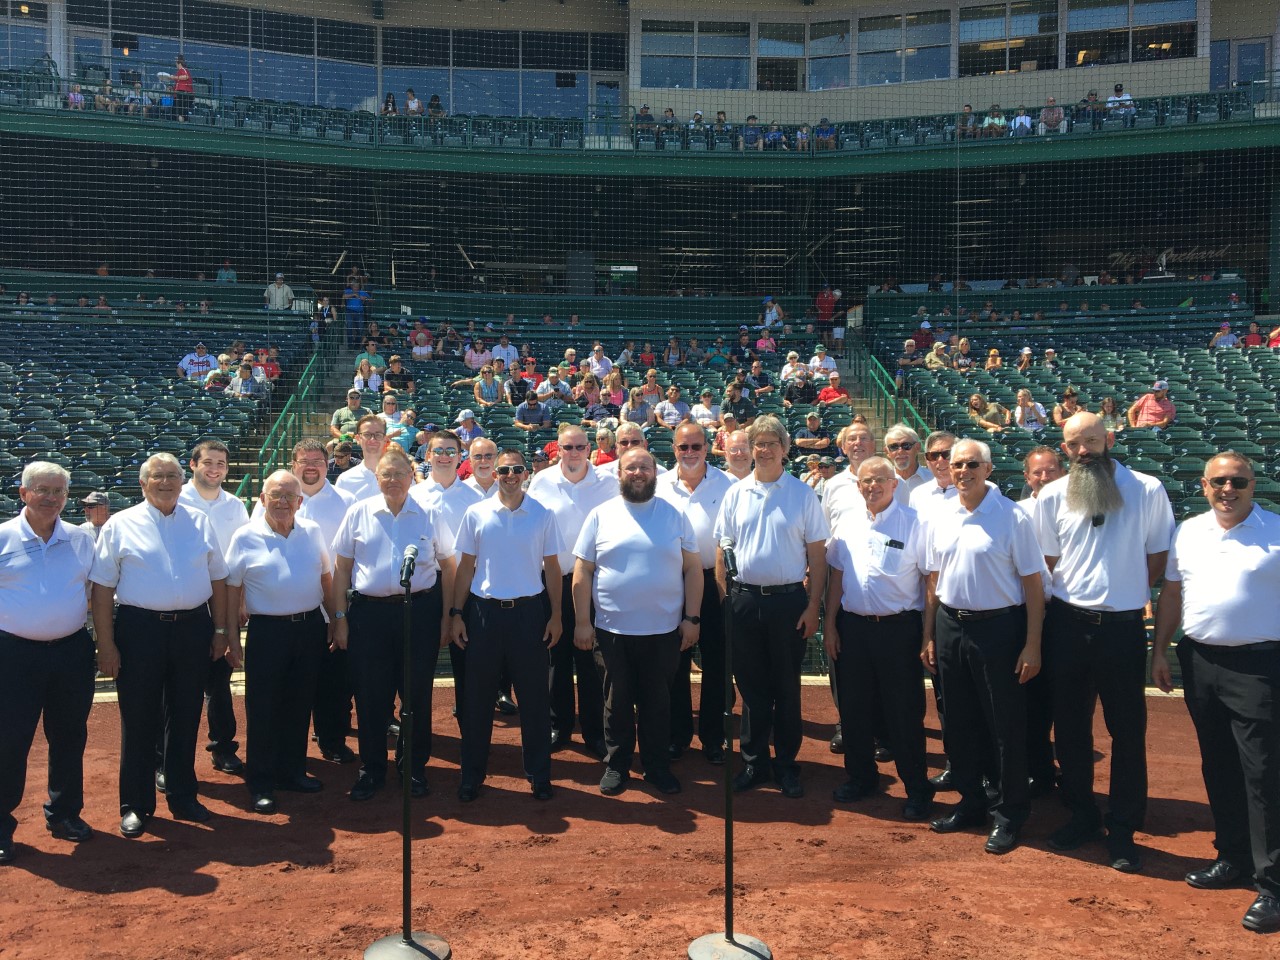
[881, 391]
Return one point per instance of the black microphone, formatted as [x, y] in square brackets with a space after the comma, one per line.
[730, 558]
[407, 564]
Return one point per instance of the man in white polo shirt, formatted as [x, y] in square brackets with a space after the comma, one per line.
[637, 562]
[857, 443]
[902, 448]
[162, 562]
[1105, 532]
[504, 621]
[46, 654]
[1222, 583]
[279, 569]
[1040, 467]
[628, 436]
[359, 482]
[482, 455]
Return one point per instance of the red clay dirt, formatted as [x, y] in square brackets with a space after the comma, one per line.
[585, 877]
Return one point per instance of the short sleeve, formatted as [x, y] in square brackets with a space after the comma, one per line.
[1045, 514]
[316, 537]
[441, 534]
[724, 526]
[237, 558]
[106, 567]
[344, 541]
[1172, 572]
[1159, 519]
[465, 542]
[1027, 558]
[550, 535]
[585, 548]
[915, 547]
[688, 539]
[815, 521]
[837, 554]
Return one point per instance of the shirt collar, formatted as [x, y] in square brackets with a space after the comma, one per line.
[59, 529]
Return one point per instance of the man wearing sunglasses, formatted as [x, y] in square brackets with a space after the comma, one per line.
[482, 457]
[984, 608]
[504, 621]
[697, 492]
[629, 436]
[1222, 585]
[902, 448]
[1105, 532]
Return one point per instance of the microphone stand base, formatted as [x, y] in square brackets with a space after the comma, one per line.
[423, 946]
[716, 946]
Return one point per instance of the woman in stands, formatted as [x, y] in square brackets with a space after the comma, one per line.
[991, 417]
[366, 379]
[587, 392]
[1024, 360]
[766, 345]
[389, 108]
[647, 357]
[183, 89]
[605, 451]
[614, 391]
[1068, 408]
[994, 360]
[651, 390]
[1273, 338]
[1113, 418]
[435, 109]
[1029, 415]
[637, 410]
[486, 389]
[673, 356]
[963, 361]
[422, 348]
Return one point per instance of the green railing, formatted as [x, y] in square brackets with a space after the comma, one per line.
[881, 392]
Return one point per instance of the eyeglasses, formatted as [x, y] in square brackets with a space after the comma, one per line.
[444, 451]
[966, 464]
[895, 447]
[626, 443]
[938, 454]
[875, 481]
[57, 492]
[765, 444]
[483, 456]
[519, 469]
[312, 462]
[579, 447]
[373, 436]
[687, 447]
[282, 498]
[1236, 483]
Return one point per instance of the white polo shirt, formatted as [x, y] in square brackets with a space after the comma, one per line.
[91, 528]
[902, 493]
[157, 562]
[43, 584]
[483, 494]
[509, 547]
[701, 506]
[374, 539]
[610, 469]
[226, 513]
[1105, 567]
[1230, 578]
[929, 496]
[571, 502]
[638, 587]
[980, 557]
[359, 482]
[881, 560]
[840, 494]
[771, 526]
[280, 575]
[452, 501]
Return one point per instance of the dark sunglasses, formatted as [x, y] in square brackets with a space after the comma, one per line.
[967, 464]
[575, 446]
[1236, 483]
[895, 447]
[938, 454]
[519, 469]
[686, 447]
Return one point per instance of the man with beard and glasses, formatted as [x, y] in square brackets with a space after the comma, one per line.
[902, 448]
[1105, 533]
[637, 560]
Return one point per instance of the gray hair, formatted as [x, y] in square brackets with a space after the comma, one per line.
[938, 436]
[603, 433]
[878, 463]
[36, 469]
[983, 449]
[902, 430]
[628, 428]
[769, 424]
[144, 471]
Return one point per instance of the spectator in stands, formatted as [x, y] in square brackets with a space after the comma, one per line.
[397, 377]
[752, 136]
[587, 391]
[1020, 126]
[508, 352]
[344, 419]
[775, 139]
[613, 391]
[106, 99]
[994, 123]
[244, 385]
[1024, 360]
[367, 378]
[706, 412]
[1090, 110]
[1029, 414]
[389, 107]
[671, 412]
[556, 388]
[994, 360]
[833, 395]
[771, 314]
[355, 300]
[1120, 104]
[1067, 408]
[637, 409]
[477, 356]
[196, 365]
[1254, 337]
[1224, 338]
[392, 417]
[371, 354]
[1050, 361]
[937, 359]
[435, 109]
[532, 415]
[766, 346]
[800, 389]
[694, 355]
[962, 360]
[606, 448]
[803, 139]
[270, 367]
[820, 364]
[737, 403]
[697, 126]
[341, 462]
[717, 355]
[75, 99]
[645, 121]
[278, 295]
[1052, 118]
[742, 353]
[466, 427]
[226, 273]
[650, 389]
[813, 435]
[486, 389]
[722, 127]
[966, 124]
[672, 355]
[759, 382]
[824, 135]
[1154, 409]
[412, 104]
[646, 357]
[910, 358]
[138, 102]
[1112, 418]
[183, 89]
[988, 416]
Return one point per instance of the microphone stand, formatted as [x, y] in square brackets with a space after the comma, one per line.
[409, 943]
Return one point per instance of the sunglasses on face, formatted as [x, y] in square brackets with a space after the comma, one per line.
[687, 447]
[579, 447]
[938, 454]
[896, 447]
[630, 443]
[506, 469]
[967, 464]
[444, 451]
[1236, 483]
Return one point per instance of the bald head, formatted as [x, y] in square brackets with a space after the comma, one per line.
[1083, 425]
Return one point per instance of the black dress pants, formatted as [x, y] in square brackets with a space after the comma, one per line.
[1233, 695]
[1085, 663]
[331, 715]
[711, 689]
[506, 641]
[768, 652]
[281, 662]
[566, 660]
[637, 673]
[163, 668]
[986, 708]
[53, 679]
[376, 658]
[219, 711]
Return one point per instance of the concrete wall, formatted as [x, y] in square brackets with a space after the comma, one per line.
[605, 16]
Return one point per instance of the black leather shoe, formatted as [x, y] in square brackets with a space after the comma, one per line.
[1263, 916]
[674, 751]
[958, 820]
[70, 828]
[837, 741]
[750, 777]
[264, 803]
[790, 785]
[917, 808]
[599, 748]
[1074, 834]
[191, 810]
[663, 782]
[133, 824]
[851, 792]
[228, 763]
[942, 781]
[714, 755]
[559, 740]
[162, 784]
[613, 782]
[1217, 876]
[339, 754]
[304, 783]
[365, 787]
[1002, 839]
[6, 851]
[883, 754]
[506, 706]
[542, 790]
[418, 786]
[1124, 853]
[468, 792]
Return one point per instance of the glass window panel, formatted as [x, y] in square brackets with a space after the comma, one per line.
[780, 40]
[982, 23]
[1097, 48]
[4, 47]
[486, 48]
[1251, 61]
[879, 33]
[874, 68]
[282, 76]
[828, 73]
[608, 51]
[492, 92]
[928, 29]
[1219, 64]
[226, 68]
[215, 23]
[1030, 17]
[346, 41]
[724, 73]
[829, 39]
[724, 39]
[666, 71]
[88, 13]
[157, 17]
[553, 51]
[553, 94]
[412, 47]
[983, 59]
[86, 51]
[27, 45]
[425, 83]
[283, 33]
[1147, 12]
[1171, 42]
[1042, 51]
[928, 63]
[1096, 14]
[27, 11]
[666, 36]
[148, 54]
[350, 86]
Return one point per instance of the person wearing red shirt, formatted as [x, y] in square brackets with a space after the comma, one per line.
[183, 89]
[825, 304]
[833, 394]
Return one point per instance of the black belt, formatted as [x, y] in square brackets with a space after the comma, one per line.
[1097, 616]
[978, 614]
[397, 597]
[882, 618]
[288, 617]
[1260, 647]
[507, 604]
[170, 616]
[765, 590]
[6, 635]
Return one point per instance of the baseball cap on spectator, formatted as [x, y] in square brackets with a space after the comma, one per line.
[540, 456]
[826, 462]
[812, 415]
[279, 276]
[926, 325]
[742, 328]
[353, 392]
[1160, 385]
[1049, 350]
[467, 414]
[1226, 326]
[820, 348]
[1026, 351]
[740, 372]
[824, 120]
[200, 345]
[95, 499]
[767, 300]
[706, 392]
[697, 113]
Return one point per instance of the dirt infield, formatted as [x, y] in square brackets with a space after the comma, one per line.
[585, 876]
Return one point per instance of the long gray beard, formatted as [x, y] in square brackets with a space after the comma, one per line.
[1092, 489]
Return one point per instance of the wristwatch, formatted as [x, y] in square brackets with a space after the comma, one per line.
[696, 621]
[455, 612]
[339, 614]
[220, 631]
